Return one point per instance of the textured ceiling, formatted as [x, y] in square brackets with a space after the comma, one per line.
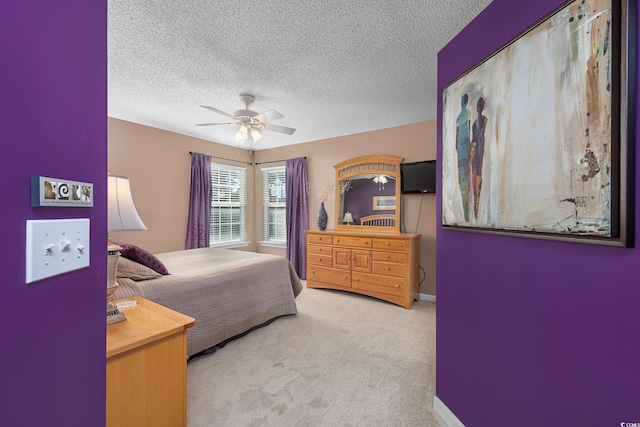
[330, 67]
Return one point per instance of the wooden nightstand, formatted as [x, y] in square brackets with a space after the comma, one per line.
[147, 367]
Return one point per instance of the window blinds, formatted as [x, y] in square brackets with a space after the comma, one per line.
[274, 201]
[228, 203]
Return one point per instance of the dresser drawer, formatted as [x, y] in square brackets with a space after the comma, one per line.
[352, 241]
[320, 238]
[329, 275]
[388, 268]
[391, 244]
[389, 256]
[319, 250]
[377, 283]
[317, 259]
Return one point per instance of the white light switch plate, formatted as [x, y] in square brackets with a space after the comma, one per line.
[56, 246]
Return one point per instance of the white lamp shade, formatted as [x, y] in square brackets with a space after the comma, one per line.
[348, 218]
[122, 214]
[255, 135]
[242, 134]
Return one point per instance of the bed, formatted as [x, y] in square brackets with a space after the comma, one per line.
[227, 292]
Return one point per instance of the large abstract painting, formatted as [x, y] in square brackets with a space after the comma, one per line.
[531, 136]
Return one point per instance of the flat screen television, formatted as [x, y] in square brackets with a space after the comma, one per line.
[418, 177]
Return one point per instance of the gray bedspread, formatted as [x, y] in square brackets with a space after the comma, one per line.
[227, 292]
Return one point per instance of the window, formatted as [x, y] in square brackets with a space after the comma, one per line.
[228, 203]
[274, 200]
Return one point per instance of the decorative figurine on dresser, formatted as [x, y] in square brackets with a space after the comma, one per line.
[366, 253]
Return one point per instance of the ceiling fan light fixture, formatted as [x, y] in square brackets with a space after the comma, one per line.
[250, 121]
[255, 135]
[242, 134]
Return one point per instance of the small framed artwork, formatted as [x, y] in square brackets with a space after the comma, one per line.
[58, 192]
[384, 203]
[537, 139]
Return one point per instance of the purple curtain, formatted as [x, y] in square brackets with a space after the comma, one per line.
[297, 214]
[199, 202]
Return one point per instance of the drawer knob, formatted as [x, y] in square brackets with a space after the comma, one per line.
[397, 286]
[388, 268]
[388, 244]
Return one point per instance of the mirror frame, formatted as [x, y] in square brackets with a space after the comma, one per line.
[373, 164]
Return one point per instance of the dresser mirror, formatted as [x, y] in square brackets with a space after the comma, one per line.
[367, 194]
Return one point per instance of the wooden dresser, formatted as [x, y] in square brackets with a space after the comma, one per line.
[381, 265]
[147, 367]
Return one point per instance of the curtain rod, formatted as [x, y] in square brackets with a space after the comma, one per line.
[274, 161]
[224, 158]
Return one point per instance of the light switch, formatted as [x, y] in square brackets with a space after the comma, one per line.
[56, 246]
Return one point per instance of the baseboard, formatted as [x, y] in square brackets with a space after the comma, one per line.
[427, 297]
[445, 413]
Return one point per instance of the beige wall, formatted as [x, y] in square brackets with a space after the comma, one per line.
[158, 164]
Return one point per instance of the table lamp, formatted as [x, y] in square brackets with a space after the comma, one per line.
[348, 218]
[122, 216]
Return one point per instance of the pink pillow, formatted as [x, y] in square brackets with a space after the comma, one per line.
[144, 257]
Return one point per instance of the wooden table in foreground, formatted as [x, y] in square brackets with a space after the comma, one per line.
[147, 367]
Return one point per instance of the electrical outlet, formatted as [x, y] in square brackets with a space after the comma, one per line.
[56, 246]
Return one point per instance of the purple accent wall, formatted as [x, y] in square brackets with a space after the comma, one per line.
[53, 121]
[532, 332]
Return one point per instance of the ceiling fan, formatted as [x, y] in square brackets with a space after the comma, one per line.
[250, 121]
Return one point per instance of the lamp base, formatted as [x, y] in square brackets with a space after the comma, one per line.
[114, 315]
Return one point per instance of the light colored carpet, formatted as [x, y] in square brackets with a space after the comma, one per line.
[343, 360]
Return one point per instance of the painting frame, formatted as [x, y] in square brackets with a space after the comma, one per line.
[534, 199]
[384, 203]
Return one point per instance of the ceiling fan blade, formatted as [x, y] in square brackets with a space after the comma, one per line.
[281, 129]
[215, 110]
[268, 115]
[214, 124]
